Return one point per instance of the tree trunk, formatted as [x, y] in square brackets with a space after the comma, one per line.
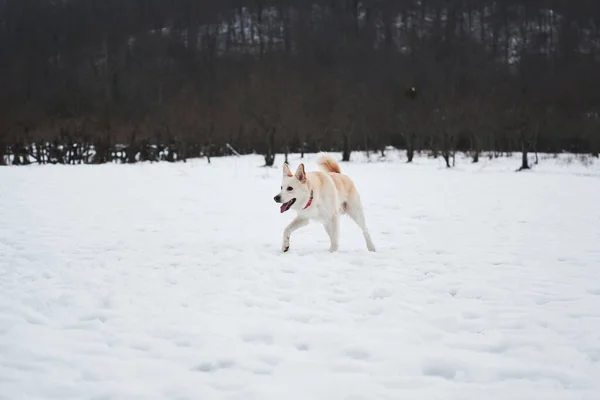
[346, 148]
[269, 160]
[410, 147]
[446, 148]
[270, 156]
[476, 148]
[524, 150]
[2, 153]
[131, 150]
[524, 162]
[206, 151]
[410, 153]
[16, 160]
[446, 155]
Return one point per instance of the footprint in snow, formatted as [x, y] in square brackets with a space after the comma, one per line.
[214, 366]
[302, 346]
[260, 338]
[357, 354]
[381, 293]
[471, 315]
[439, 369]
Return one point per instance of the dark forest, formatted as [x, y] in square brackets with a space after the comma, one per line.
[96, 81]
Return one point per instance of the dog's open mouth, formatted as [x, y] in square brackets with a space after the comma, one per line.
[286, 206]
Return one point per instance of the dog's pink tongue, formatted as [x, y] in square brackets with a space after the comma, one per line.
[283, 208]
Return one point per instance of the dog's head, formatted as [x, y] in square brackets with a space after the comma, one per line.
[294, 188]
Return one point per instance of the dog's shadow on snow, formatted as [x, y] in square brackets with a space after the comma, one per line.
[318, 252]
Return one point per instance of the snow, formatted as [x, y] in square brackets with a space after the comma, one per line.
[167, 281]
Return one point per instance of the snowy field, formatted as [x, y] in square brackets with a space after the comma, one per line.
[166, 281]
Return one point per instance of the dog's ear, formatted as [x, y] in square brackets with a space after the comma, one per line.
[286, 170]
[300, 173]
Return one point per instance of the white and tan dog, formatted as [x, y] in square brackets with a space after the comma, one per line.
[322, 196]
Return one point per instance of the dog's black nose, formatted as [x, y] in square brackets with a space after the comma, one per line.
[277, 198]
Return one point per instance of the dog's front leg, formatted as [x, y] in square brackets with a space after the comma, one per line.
[297, 223]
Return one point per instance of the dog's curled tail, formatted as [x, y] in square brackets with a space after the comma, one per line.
[328, 163]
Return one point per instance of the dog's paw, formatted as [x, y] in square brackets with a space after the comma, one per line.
[285, 246]
[285, 249]
[333, 249]
[370, 245]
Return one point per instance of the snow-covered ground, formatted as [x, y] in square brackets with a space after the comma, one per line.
[166, 281]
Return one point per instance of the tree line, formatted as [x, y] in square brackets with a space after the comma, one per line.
[95, 81]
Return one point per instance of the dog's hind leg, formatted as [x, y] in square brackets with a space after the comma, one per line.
[332, 227]
[355, 211]
[294, 225]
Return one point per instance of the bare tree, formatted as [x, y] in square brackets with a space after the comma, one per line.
[170, 80]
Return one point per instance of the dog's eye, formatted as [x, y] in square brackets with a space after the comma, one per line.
[289, 188]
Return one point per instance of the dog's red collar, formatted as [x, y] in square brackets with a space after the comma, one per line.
[309, 201]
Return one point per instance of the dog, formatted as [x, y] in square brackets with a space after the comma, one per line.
[321, 196]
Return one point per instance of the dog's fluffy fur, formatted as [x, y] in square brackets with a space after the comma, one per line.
[321, 196]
